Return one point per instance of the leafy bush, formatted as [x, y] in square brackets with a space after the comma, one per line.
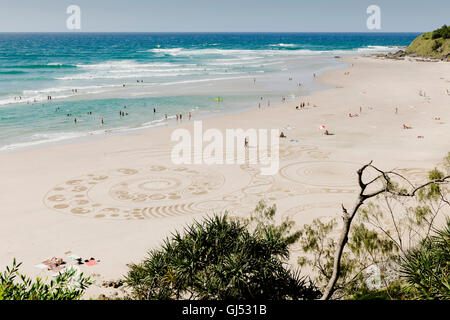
[223, 258]
[437, 44]
[66, 286]
[394, 291]
[427, 267]
[443, 32]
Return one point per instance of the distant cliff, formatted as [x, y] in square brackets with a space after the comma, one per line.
[434, 44]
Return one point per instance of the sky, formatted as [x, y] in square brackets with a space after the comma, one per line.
[223, 15]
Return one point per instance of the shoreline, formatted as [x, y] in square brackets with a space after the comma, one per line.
[312, 86]
[45, 212]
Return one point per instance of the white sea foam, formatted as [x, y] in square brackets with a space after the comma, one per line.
[213, 62]
[250, 52]
[41, 138]
[288, 45]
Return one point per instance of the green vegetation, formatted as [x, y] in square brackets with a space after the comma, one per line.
[66, 286]
[443, 32]
[393, 251]
[223, 258]
[426, 268]
[434, 44]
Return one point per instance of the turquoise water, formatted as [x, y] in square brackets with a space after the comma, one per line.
[180, 73]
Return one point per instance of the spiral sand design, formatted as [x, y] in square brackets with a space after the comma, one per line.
[332, 175]
[152, 192]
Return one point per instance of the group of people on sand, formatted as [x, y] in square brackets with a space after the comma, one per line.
[301, 106]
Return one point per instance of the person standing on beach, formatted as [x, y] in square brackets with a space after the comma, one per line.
[103, 122]
[154, 110]
[75, 120]
[189, 115]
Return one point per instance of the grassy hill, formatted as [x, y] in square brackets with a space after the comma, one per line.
[434, 44]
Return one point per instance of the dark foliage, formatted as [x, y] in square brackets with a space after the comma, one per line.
[443, 32]
[221, 258]
[427, 267]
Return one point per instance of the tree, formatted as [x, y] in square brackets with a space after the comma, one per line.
[223, 258]
[367, 239]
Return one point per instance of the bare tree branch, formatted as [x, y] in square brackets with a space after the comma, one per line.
[362, 197]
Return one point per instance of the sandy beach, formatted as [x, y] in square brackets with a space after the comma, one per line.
[116, 197]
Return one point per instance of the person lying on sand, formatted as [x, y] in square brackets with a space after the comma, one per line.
[353, 115]
[326, 133]
[406, 127]
[282, 135]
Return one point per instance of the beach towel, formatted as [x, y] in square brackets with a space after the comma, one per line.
[91, 263]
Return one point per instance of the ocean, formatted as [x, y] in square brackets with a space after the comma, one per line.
[92, 77]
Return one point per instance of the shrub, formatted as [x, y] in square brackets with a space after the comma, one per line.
[427, 267]
[443, 32]
[437, 44]
[66, 286]
[223, 258]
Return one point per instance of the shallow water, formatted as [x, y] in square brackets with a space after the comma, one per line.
[180, 72]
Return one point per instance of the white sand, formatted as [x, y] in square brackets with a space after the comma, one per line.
[316, 174]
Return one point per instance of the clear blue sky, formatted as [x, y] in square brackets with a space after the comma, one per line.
[223, 15]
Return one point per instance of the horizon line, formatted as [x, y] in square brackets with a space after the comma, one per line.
[210, 32]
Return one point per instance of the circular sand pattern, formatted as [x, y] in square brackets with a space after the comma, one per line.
[305, 214]
[152, 192]
[161, 183]
[330, 174]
